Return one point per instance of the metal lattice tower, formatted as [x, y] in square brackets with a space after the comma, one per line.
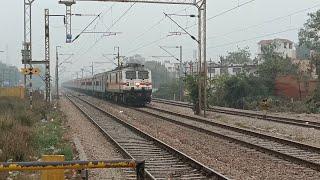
[27, 45]
[47, 55]
[67, 19]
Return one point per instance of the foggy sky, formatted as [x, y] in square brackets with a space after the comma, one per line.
[138, 20]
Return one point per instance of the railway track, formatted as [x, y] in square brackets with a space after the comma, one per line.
[161, 160]
[299, 153]
[278, 119]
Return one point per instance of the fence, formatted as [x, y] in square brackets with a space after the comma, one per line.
[12, 92]
[78, 165]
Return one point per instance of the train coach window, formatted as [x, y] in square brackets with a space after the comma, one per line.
[131, 75]
[143, 75]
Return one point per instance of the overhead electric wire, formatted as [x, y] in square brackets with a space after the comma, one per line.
[148, 44]
[229, 10]
[224, 12]
[267, 21]
[86, 27]
[154, 25]
[254, 38]
[149, 29]
[101, 15]
[112, 25]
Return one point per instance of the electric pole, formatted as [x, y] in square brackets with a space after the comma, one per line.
[68, 4]
[57, 71]
[82, 70]
[118, 55]
[47, 55]
[27, 46]
[180, 74]
[92, 69]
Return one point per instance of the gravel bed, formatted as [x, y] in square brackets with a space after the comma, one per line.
[230, 159]
[303, 116]
[300, 134]
[90, 143]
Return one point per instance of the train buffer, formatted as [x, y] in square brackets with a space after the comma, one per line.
[54, 167]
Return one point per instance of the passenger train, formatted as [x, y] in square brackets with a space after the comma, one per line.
[129, 84]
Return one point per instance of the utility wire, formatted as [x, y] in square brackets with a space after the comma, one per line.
[254, 38]
[224, 12]
[158, 40]
[267, 21]
[192, 37]
[86, 27]
[148, 44]
[112, 25]
[101, 15]
[155, 25]
[229, 10]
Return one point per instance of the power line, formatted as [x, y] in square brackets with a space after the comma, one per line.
[254, 38]
[224, 12]
[267, 21]
[101, 15]
[229, 10]
[86, 27]
[148, 44]
[155, 25]
[112, 25]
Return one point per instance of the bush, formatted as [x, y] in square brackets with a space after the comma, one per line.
[240, 91]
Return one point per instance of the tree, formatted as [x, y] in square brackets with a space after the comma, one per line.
[241, 56]
[274, 65]
[160, 74]
[192, 88]
[168, 90]
[309, 36]
[234, 91]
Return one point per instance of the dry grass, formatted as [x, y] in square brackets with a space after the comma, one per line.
[15, 130]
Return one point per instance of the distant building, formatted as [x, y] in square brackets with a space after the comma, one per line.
[135, 59]
[171, 67]
[215, 70]
[283, 46]
[174, 68]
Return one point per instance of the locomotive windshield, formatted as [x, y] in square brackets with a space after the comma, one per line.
[131, 75]
[143, 75]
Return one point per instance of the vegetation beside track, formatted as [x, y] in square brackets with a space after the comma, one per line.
[27, 134]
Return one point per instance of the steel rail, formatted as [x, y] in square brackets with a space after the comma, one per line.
[278, 119]
[123, 152]
[183, 157]
[296, 151]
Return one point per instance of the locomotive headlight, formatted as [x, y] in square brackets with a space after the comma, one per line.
[137, 84]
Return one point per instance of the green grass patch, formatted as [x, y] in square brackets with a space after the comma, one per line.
[49, 136]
